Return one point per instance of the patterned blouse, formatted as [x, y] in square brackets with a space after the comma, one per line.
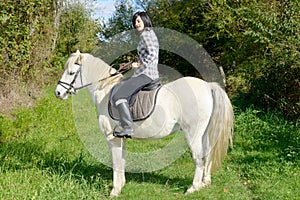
[148, 49]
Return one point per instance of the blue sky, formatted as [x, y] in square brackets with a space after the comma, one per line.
[104, 8]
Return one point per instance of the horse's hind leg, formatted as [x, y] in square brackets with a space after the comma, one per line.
[198, 143]
[206, 154]
[207, 171]
[198, 176]
[195, 142]
[202, 177]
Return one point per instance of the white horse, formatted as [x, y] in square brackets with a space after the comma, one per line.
[200, 109]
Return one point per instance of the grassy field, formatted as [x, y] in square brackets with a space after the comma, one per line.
[42, 157]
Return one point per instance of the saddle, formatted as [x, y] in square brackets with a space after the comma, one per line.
[141, 104]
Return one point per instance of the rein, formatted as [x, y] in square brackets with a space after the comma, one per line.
[73, 90]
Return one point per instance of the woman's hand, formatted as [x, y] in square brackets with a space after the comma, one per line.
[125, 66]
[136, 64]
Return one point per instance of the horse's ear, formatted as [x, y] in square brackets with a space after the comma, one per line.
[79, 59]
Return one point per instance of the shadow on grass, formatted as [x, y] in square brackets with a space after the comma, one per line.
[18, 156]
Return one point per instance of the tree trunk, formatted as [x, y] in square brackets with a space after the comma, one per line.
[58, 7]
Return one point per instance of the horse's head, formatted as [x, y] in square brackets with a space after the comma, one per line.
[67, 84]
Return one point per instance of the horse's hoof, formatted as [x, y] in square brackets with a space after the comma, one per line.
[190, 190]
[206, 182]
[114, 193]
[194, 189]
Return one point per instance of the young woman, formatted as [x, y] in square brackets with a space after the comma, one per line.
[145, 70]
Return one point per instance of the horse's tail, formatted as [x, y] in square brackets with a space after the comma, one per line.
[220, 127]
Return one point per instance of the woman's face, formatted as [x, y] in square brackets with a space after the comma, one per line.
[139, 24]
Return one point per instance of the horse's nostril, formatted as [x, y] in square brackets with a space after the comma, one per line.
[57, 93]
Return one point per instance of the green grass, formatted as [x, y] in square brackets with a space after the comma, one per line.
[42, 157]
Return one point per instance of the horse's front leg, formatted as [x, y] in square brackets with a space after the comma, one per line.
[117, 147]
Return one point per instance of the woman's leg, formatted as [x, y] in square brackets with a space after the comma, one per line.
[128, 87]
[120, 100]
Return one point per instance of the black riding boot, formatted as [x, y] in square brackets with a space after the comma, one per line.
[125, 119]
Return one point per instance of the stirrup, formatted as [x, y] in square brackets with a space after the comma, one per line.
[115, 134]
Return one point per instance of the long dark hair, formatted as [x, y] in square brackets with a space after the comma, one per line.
[145, 18]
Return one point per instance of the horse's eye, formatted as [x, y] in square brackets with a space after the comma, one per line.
[72, 73]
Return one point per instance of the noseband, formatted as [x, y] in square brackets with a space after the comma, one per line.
[70, 86]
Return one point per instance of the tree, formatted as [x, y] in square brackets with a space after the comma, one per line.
[77, 30]
[120, 21]
[256, 42]
[36, 36]
[24, 24]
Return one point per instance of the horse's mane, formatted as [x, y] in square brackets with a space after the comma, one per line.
[89, 61]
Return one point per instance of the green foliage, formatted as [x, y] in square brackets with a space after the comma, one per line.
[256, 42]
[265, 52]
[20, 21]
[37, 35]
[264, 36]
[184, 17]
[77, 30]
[120, 21]
[118, 27]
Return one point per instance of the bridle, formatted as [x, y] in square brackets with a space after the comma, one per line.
[73, 90]
[70, 86]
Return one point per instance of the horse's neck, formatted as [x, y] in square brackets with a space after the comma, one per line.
[94, 68]
[99, 73]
